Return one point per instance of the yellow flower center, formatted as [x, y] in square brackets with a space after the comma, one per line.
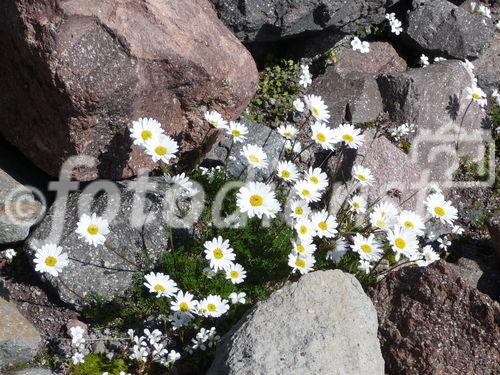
[211, 307]
[314, 180]
[321, 137]
[315, 111]
[355, 204]
[400, 243]
[347, 138]
[303, 229]
[254, 159]
[183, 306]
[256, 200]
[306, 193]
[476, 96]
[409, 225]
[285, 174]
[301, 248]
[380, 223]
[439, 211]
[93, 229]
[287, 134]
[366, 248]
[236, 133]
[51, 261]
[159, 288]
[234, 274]
[213, 123]
[322, 225]
[146, 134]
[299, 211]
[218, 254]
[361, 177]
[161, 150]
[301, 263]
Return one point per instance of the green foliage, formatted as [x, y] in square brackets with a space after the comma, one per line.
[277, 89]
[96, 364]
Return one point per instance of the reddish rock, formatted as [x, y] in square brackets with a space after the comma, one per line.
[432, 322]
[75, 74]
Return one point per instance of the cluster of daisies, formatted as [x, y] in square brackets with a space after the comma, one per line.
[148, 134]
[151, 346]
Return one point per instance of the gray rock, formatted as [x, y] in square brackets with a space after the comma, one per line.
[133, 241]
[323, 324]
[19, 340]
[441, 28]
[349, 87]
[264, 20]
[259, 135]
[487, 67]
[19, 210]
[494, 229]
[434, 99]
[33, 371]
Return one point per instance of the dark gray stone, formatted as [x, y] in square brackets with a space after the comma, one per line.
[487, 67]
[441, 28]
[434, 99]
[322, 324]
[19, 340]
[264, 20]
[19, 210]
[105, 270]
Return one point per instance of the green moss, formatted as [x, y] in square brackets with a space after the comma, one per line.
[277, 89]
[96, 364]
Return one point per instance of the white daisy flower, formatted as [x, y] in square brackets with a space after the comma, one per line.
[368, 248]
[236, 298]
[236, 273]
[182, 182]
[78, 358]
[145, 129]
[209, 272]
[162, 148]
[324, 223]
[299, 209]
[384, 215]
[323, 135]
[468, 65]
[348, 134]
[238, 131]
[396, 25]
[160, 284]
[317, 178]
[215, 119]
[496, 95]
[403, 241]
[439, 59]
[184, 303]
[412, 221]
[213, 306]
[364, 266]
[307, 191]
[93, 229]
[305, 229]
[444, 243]
[300, 263]
[363, 175]
[172, 357]
[475, 94]
[298, 105]
[440, 208]
[287, 131]
[257, 199]
[357, 204]
[358, 45]
[317, 107]
[429, 256]
[287, 171]
[50, 259]
[294, 147]
[305, 78]
[303, 246]
[424, 60]
[219, 253]
[10, 254]
[338, 251]
[255, 156]
[457, 229]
